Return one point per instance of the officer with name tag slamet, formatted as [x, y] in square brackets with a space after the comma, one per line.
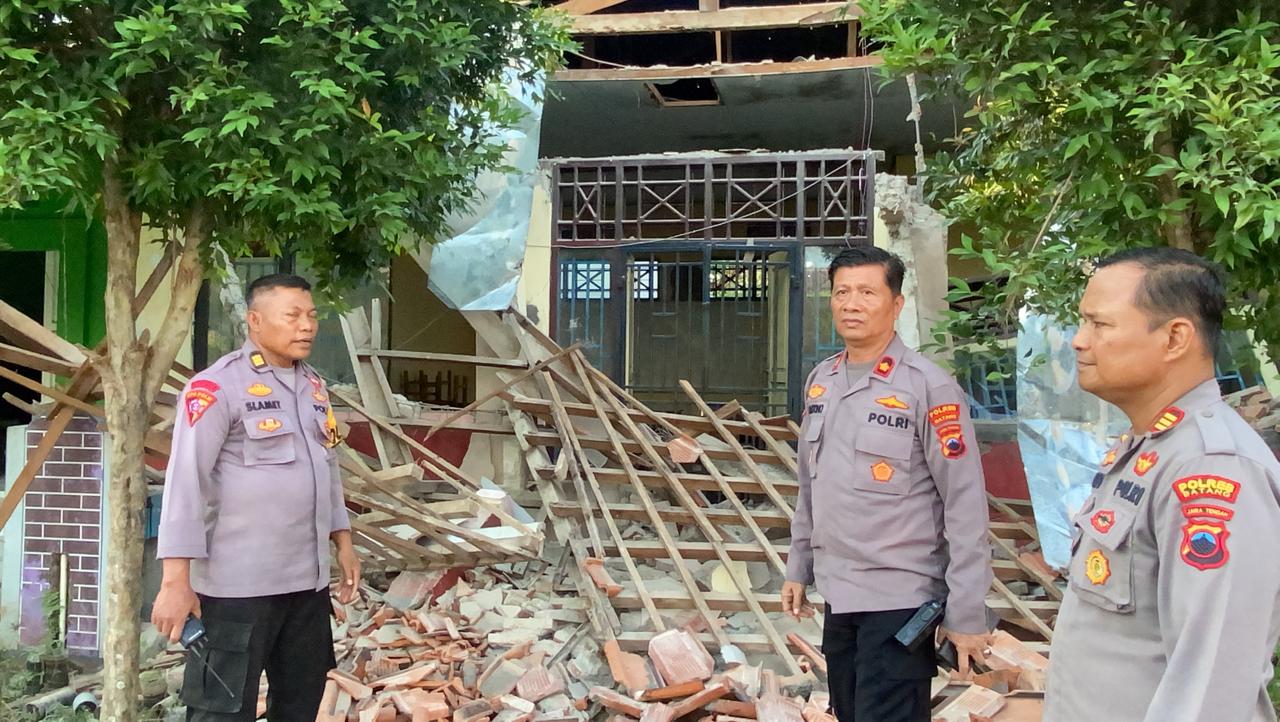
[252, 501]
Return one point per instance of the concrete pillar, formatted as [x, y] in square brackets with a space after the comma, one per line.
[918, 234]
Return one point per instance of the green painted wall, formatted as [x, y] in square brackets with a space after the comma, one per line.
[81, 245]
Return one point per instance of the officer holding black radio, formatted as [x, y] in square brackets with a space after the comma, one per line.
[892, 514]
[252, 501]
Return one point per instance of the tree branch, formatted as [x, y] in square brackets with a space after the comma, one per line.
[1178, 232]
[182, 301]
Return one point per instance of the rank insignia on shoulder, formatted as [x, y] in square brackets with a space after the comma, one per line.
[1204, 544]
[1097, 567]
[331, 436]
[952, 440]
[1206, 486]
[1169, 418]
[259, 390]
[268, 425]
[1103, 520]
[885, 367]
[1145, 462]
[817, 390]
[893, 402]
[881, 471]
[198, 399]
[257, 360]
[943, 414]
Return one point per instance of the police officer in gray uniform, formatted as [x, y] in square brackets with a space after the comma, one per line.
[1171, 610]
[892, 511]
[252, 501]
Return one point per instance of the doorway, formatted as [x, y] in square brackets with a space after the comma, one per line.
[22, 285]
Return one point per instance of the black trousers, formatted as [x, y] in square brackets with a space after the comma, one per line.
[872, 677]
[287, 635]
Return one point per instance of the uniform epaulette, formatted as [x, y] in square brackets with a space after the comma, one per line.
[1218, 438]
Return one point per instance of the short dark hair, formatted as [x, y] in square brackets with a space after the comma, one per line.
[868, 255]
[1178, 283]
[274, 280]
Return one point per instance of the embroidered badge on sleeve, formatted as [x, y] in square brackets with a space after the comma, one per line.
[198, 399]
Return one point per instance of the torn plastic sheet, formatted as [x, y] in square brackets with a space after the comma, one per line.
[478, 269]
[1063, 431]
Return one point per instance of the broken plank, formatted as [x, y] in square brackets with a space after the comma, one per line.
[545, 363]
[766, 518]
[38, 361]
[487, 361]
[745, 18]
[693, 425]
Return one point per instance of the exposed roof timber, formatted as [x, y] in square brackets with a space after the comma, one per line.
[752, 18]
[720, 70]
[586, 7]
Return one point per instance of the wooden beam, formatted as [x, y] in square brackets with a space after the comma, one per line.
[82, 383]
[750, 18]
[586, 7]
[632, 446]
[689, 424]
[498, 391]
[442, 357]
[37, 361]
[52, 393]
[698, 482]
[697, 550]
[766, 518]
[726, 70]
[25, 331]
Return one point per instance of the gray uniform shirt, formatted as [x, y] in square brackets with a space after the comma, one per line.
[1171, 610]
[252, 491]
[892, 510]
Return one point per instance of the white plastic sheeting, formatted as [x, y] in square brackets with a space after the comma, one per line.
[478, 269]
[1063, 431]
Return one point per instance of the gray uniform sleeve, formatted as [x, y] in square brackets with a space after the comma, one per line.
[204, 417]
[800, 555]
[340, 520]
[950, 450]
[1216, 587]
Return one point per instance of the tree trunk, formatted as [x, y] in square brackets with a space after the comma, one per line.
[132, 372]
[126, 493]
[123, 373]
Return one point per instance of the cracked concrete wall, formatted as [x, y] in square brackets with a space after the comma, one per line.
[917, 233]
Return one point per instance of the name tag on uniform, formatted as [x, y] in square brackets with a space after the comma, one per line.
[891, 421]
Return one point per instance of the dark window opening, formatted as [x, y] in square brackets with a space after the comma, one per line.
[685, 91]
[674, 49]
[784, 45]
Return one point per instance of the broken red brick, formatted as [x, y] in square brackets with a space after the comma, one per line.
[677, 691]
[539, 683]
[679, 657]
[472, 711]
[628, 669]
[733, 708]
[658, 712]
[600, 576]
[616, 702]
[701, 699]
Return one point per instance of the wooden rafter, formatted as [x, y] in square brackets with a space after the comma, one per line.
[586, 7]
[725, 70]
[752, 18]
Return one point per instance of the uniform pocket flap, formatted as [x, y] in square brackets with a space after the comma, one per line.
[1108, 525]
[229, 636]
[888, 444]
[265, 427]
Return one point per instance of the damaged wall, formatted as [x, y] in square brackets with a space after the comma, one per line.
[917, 233]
